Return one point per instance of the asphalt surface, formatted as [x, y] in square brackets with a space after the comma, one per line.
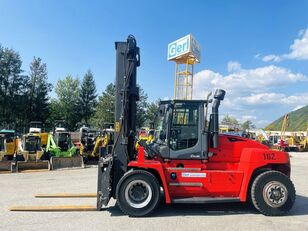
[20, 188]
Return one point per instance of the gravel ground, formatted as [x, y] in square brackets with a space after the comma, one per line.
[18, 189]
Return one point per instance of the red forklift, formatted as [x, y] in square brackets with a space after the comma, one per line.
[189, 161]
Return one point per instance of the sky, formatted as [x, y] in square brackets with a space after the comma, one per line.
[256, 50]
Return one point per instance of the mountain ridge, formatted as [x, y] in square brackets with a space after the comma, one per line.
[298, 121]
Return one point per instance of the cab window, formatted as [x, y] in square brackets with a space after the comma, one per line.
[184, 128]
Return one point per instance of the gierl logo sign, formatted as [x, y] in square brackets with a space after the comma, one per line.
[178, 47]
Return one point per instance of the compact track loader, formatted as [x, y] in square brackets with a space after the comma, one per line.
[33, 155]
[61, 150]
[38, 128]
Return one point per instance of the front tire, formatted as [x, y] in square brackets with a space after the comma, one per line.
[272, 193]
[138, 193]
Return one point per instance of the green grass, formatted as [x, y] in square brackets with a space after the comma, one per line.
[298, 121]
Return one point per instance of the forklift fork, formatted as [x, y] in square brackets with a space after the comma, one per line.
[104, 182]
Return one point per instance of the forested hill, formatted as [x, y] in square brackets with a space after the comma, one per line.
[298, 121]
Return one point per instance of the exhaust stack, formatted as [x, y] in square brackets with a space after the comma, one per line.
[218, 96]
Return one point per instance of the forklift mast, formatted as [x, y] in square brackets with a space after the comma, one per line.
[127, 94]
[112, 168]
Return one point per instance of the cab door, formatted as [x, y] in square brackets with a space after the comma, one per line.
[185, 140]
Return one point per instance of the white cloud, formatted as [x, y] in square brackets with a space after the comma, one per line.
[248, 117]
[234, 66]
[298, 107]
[245, 80]
[253, 93]
[261, 98]
[257, 56]
[298, 50]
[273, 98]
[274, 58]
[296, 99]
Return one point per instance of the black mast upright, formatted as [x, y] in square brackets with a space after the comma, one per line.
[112, 168]
[127, 94]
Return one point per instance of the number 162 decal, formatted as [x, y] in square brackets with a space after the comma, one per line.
[269, 156]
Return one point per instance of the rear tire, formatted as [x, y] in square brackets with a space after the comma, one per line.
[138, 193]
[272, 193]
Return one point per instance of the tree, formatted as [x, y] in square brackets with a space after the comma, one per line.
[106, 104]
[54, 113]
[104, 112]
[38, 89]
[142, 105]
[87, 97]
[229, 120]
[152, 110]
[12, 89]
[67, 91]
[248, 125]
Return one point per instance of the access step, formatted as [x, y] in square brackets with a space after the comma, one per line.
[205, 200]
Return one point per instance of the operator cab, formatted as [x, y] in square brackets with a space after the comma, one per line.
[35, 127]
[63, 140]
[177, 128]
[182, 131]
[32, 143]
[9, 135]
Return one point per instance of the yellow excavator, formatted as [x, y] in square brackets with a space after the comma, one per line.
[94, 144]
[293, 143]
[298, 142]
[282, 143]
[304, 142]
[259, 135]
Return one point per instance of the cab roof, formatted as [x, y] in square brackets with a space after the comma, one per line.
[7, 131]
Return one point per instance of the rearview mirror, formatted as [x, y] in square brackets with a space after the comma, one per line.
[208, 95]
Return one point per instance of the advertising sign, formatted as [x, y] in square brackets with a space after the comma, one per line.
[184, 45]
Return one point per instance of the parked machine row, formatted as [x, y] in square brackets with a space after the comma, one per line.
[277, 140]
[41, 150]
